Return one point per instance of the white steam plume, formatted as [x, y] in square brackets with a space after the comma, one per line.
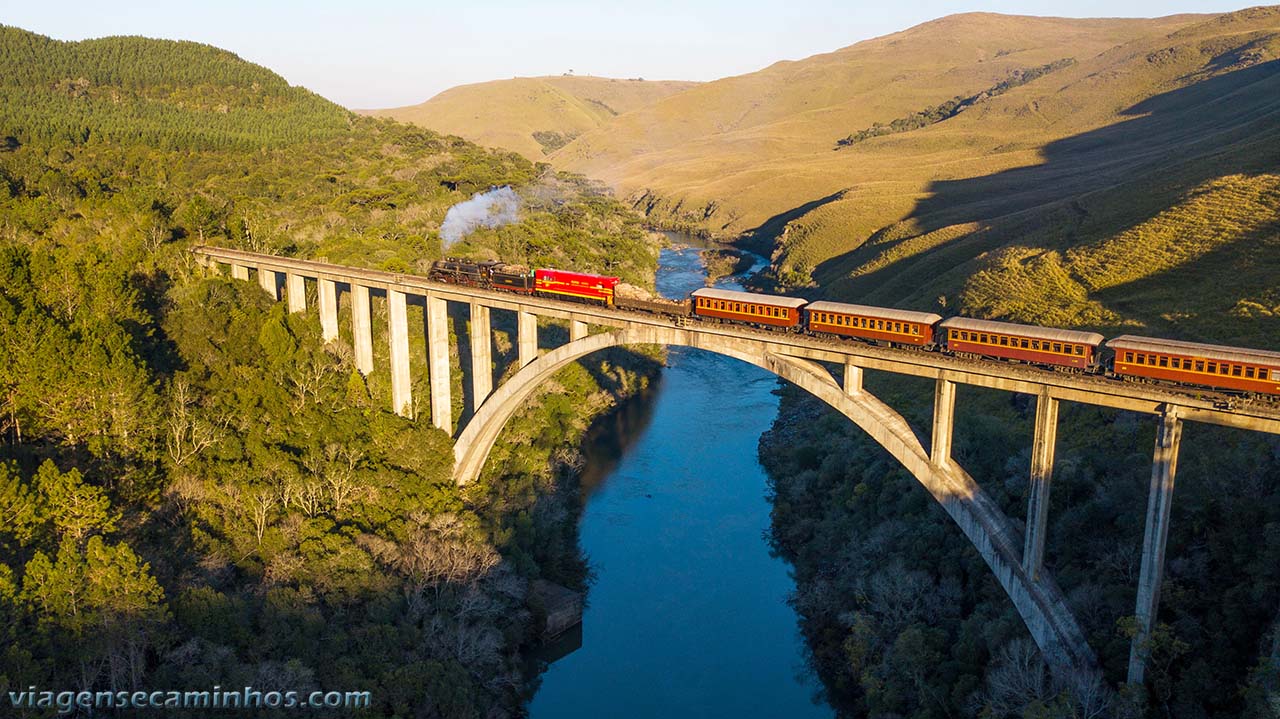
[494, 208]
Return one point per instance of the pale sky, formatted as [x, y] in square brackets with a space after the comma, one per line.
[387, 53]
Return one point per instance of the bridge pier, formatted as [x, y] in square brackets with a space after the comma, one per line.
[239, 272]
[1046, 436]
[944, 409]
[328, 293]
[438, 363]
[527, 329]
[1155, 538]
[267, 281]
[398, 331]
[362, 328]
[296, 288]
[852, 379]
[577, 330]
[481, 355]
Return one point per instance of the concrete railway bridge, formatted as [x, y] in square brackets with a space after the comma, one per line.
[1017, 561]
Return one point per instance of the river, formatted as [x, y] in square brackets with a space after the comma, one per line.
[687, 616]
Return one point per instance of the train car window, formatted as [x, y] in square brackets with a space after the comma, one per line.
[1164, 362]
[1235, 370]
[1199, 365]
[1275, 375]
[1248, 372]
[1128, 356]
[1224, 369]
[1213, 368]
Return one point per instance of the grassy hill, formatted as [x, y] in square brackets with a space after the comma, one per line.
[161, 92]
[1136, 144]
[532, 115]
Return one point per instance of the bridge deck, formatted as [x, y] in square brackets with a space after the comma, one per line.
[1085, 389]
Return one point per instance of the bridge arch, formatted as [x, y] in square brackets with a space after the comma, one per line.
[1038, 599]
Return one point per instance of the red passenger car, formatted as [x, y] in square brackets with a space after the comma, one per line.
[1028, 343]
[593, 288]
[1216, 366]
[747, 307]
[873, 323]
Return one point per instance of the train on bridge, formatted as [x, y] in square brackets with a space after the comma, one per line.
[1235, 370]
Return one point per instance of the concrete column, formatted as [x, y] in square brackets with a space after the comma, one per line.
[577, 330]
[267, 280]
[362, 328]
[328, 308]
[852, 379]
[1159, 503]
[239, 272]
[481, 355]
[296, 289]
[1041, 475]
[527, 329]
[944, 408]
[438, 362]
[401, 385]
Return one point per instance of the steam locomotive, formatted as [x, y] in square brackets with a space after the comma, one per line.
[1237, 370]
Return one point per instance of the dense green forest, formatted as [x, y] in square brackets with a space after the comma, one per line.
[196, 489]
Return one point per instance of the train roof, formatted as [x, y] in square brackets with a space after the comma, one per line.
[1013, 328]
[927, 318]
[716, 293]
[1195, 349]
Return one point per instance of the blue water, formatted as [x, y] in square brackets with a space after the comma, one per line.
[688, 615]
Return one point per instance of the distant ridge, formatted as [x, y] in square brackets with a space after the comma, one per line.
[532, 115]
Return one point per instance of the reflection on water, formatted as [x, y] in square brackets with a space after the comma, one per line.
[688, 615]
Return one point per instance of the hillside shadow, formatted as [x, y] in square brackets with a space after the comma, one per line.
[760, 239]
[1174, 141]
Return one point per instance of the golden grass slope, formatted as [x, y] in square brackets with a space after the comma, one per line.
[1133, 187]
[507, 113]
[761, 144]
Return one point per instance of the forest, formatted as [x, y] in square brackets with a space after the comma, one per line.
[197, 490]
